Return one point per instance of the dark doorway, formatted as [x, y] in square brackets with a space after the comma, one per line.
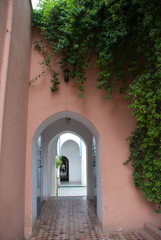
[64, 170]
[39, 175]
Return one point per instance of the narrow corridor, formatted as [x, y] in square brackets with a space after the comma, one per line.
[73, 218]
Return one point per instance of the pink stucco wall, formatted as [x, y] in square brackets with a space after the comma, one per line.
[14, 118]
[3, 16]
[124, 207]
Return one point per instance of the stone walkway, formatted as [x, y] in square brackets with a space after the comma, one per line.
[73, 218]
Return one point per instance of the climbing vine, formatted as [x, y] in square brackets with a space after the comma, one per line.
[59, 161]
[125, 35]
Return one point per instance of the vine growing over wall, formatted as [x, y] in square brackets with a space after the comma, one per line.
[125, 35]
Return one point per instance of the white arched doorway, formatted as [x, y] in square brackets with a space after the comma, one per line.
[50, 131]
[71, 151]
[82, 154]
[49, 168]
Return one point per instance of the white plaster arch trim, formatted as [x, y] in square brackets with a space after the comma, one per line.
[66, 114]
[70, 140]
[68, 131]
[66, 136]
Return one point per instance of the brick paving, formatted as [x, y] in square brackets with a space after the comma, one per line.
[73, 218]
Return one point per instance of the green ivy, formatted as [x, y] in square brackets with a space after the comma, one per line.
[125, 35]
[59, 161]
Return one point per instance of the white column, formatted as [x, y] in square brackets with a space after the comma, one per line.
[52, 153]
[90, 193]
[53, 181]
[83, 166]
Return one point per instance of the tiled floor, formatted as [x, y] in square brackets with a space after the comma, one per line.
[70, 184]
[73, 218]
[72, 191]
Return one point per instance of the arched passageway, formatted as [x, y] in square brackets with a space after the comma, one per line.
[71, 150]
[73, 147]
[50, 130]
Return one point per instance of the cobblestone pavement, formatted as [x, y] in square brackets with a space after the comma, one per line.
[73, 218]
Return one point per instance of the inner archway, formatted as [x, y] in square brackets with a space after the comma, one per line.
[50, 131]
[74, 148]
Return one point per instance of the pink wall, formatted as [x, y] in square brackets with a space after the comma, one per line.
[13, 145]
[124, 207]
[3, 15]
